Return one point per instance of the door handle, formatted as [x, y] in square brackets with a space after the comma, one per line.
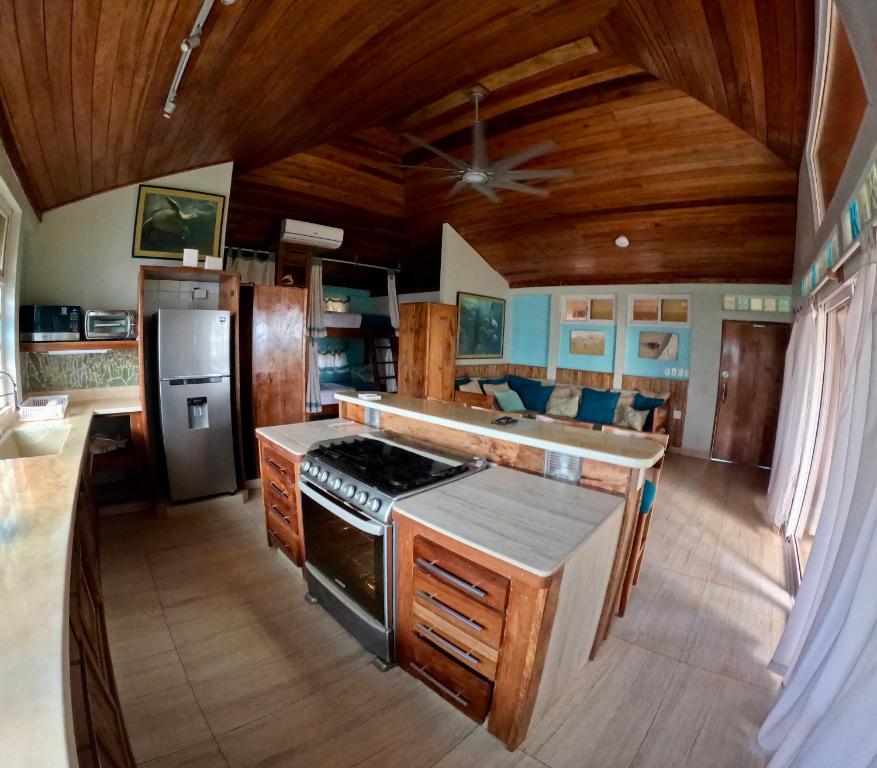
[724, 391]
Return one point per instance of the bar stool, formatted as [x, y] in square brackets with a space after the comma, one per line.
[638, 549]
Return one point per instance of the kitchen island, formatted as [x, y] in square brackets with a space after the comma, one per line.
[502, 578]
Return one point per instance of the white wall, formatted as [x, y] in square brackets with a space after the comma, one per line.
[463, 269]
[22, 231]
[82, 251]
[706, 316]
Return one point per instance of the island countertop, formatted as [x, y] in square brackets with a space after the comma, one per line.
[37, 507]
[528, 521]
[298, 438]
[607, 447]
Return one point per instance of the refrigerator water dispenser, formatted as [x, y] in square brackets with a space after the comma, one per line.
[198, 418]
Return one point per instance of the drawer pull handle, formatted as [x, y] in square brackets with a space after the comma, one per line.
[275, 465]
[280, 541]
[276, 510]
[277, 490]
[449, 577]
[450, 611]
[447, 644]
[441, 686]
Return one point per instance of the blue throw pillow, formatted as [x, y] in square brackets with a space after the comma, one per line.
[533, 394]
[597, 406]
[460, 382]
[501, 380]
[643, 403]
[509, 400]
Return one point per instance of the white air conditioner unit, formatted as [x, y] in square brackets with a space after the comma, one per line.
[313, 235]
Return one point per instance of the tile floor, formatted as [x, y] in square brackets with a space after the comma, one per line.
[221, 663]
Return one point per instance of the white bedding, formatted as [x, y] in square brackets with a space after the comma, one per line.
[342, 319]
[328, 390]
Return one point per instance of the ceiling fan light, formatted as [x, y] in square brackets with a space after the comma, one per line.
[474, 176]
[622, 241]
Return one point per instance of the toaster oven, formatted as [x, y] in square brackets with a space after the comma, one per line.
[110, 324]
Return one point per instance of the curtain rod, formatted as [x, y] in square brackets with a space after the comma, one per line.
[359, 264]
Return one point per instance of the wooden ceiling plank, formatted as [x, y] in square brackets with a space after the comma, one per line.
[84, 13]
[109, 30]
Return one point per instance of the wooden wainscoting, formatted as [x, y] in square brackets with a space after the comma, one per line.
[584, 378]
[495, 370]
[678, 402]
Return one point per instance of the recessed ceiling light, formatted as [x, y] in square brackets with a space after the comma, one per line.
[621, 241]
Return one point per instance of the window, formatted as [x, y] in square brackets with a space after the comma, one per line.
[6, 324]
[838, 112]
[650, 310]
[588, 309]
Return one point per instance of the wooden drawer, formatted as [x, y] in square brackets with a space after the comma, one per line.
[282, 514]
[469, 616]
[282, 537]
[278, 465]
[275, 493]
[473, 580]
[454, 683]
[454, 642]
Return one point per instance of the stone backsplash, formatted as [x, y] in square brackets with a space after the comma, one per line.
[48, 373]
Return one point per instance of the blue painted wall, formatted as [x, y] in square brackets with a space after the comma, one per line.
[529, 329]
[604, 363]
[634, 365]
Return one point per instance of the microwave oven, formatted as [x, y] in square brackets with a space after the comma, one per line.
[110, 324]
[44, 322]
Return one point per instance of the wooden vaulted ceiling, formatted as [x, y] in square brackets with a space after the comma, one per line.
[682, 121]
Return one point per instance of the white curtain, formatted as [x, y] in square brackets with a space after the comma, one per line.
[316, 329]
[796, 424]
[393, 299]
[257, 267]
[825, 715]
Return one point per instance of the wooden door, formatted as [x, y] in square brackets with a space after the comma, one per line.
[750, 385]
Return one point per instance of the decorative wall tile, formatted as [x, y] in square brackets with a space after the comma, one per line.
[46, 373]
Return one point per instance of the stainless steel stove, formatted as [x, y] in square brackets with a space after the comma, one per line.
[349, 487]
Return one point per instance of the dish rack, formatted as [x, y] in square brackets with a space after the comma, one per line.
[43, 408]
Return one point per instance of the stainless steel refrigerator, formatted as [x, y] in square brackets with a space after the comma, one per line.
[194, 371]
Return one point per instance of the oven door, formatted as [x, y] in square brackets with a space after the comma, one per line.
[348, 549]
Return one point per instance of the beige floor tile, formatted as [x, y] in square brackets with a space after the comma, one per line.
[205, 755]
[164, 722]
[601, 722]
[683, 548]
[706, 720]
[369, 719]
[136, 626]
[735, 635]
[240, 696]
[662, 611]
[755, 563]
[125, 572]
[481, 750]
[146, 675]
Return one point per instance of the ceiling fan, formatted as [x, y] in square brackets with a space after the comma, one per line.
[483, 175]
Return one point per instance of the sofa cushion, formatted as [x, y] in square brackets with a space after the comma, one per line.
[627, 416]
[625, 397]
[533, 393]
[472, 385]
[648, 499]
[564, 401]
[461, 381]
[509, 400]
[643, 403]
[500, 380]
[597, 406]
[492, 389]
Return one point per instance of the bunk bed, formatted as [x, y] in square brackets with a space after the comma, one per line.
[380, 357]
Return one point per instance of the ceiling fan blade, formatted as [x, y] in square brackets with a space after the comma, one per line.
[547, 173]
[479, 146]
[407, 167]
[456, 189]
[432, 181]
[487, 192]
[436, 151]
[514, 186]
[535, 150]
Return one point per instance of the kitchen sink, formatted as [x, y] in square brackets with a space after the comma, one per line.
[26, 442]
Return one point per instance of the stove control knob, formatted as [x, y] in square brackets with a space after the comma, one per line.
[336, 484]
[314, 470]
[349, 490]
[361, 497]
[323, 476]
[374, 505]
[305, 465]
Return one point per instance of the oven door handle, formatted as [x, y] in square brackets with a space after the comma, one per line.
[375, 529]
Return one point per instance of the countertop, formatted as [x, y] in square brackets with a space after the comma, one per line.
[526, 520]
[37, 505]
[551, 436]
[298, 438]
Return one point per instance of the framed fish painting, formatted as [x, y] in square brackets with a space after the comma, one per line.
[480, 325]
[169, 220]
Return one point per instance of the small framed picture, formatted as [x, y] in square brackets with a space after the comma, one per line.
[729, 303]
[784, 304]
[770, 303]
[742, 303]
[756, 304]
[591, 343]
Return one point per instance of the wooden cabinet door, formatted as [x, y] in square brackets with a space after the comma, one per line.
[427, 350]
[750, 385]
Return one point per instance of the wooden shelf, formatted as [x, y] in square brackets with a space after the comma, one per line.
[70, 346]
[195, 274]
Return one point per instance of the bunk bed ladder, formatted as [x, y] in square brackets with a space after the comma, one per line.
[384, 371]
